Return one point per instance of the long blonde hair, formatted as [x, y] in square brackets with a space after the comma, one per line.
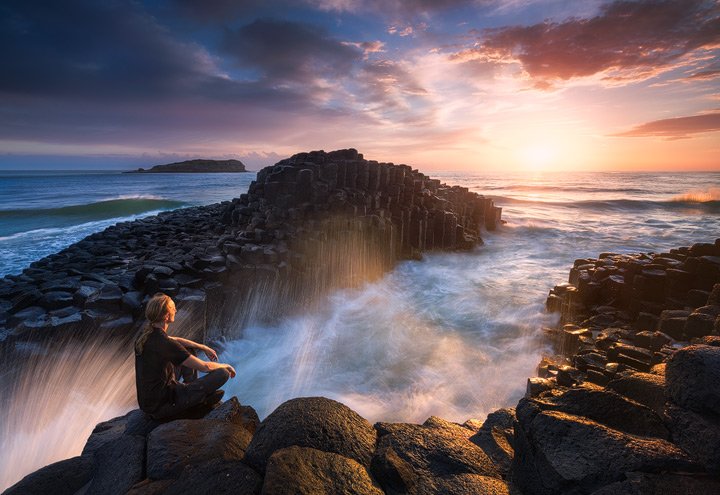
[155, 311]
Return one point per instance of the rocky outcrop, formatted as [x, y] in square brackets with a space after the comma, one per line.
[197, 166]
[63, 478]
[308, 445]
[314, 422]
[630, 403]
[310, 223]
[306, 471]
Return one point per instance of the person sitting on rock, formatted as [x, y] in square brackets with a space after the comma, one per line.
[161, 360]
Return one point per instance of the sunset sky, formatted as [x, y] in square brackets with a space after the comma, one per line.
[484, 85]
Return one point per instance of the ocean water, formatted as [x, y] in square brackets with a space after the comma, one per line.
[454, 335]
[43, 212]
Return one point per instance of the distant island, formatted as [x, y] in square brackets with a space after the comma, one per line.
[198, 166]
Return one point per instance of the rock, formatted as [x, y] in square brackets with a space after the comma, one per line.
[56, 300]
[713, 340]
[699, 325]
[28, 314]
[61, 478]
[105, 432]
[232, 411]
[646, 322]
[149, 487]
[466, 484]
[132, 302]
[414, 458]
[692, 377]
[714, 296]
[644, 388]
[609, 409]
[652, 340]
[456, 429]
[557, 452]
[672, 322]
[108, 297]
[314, 422]
[216, 477]
[665, 484]
[495, 438]
[139, 423]
[174, 445]
[697, 434]
[536, 386]
[497, 444]
[119, 464]
[302, 470]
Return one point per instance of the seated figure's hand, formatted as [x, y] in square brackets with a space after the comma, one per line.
[231, 370]
[212, 355]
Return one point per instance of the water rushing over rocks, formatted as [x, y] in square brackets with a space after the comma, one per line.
[309, 224]
[627, 427]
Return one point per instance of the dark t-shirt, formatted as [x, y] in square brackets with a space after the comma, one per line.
[154, 370]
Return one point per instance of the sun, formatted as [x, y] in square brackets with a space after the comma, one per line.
[538, 157]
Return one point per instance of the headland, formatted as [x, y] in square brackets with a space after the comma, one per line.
[197, 166]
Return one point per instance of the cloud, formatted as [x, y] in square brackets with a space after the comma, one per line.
[94, 49]
[402, 8]
[290, 52]
[676, 128]
[626, 41]
[368, 47]
[223, 10]
[705, 75]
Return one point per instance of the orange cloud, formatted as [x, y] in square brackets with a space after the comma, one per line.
[627, 41]
[676, 128]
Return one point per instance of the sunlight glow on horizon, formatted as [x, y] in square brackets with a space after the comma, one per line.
[516, 86]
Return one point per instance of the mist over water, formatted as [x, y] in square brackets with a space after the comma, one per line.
[52, 400]
[454, 335]
[421, 341]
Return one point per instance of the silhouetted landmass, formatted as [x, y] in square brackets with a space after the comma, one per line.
[198, 166]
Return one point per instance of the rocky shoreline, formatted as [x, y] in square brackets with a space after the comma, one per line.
[308, 224]
[629, 406]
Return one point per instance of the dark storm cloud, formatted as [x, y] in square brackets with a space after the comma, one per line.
[676, 128]
[285, 51]
[87, 71]
[93, 49]
[631, 40]
[113, 52]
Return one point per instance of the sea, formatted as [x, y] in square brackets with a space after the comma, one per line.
[454, 335]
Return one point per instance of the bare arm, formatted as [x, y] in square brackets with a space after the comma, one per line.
[206, 366]
[187, 343]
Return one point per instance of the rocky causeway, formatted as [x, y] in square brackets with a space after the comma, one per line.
[629, 404]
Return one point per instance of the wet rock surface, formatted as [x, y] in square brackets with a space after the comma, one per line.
[314, 422]
[62, 478]
[629, 404]
[302, 470]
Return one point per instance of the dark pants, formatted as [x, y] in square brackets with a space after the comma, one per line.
[192, 391]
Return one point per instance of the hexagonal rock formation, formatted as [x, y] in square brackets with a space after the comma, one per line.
[310, 223]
